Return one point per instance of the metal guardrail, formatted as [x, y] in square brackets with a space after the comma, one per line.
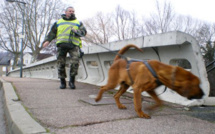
[212, 68]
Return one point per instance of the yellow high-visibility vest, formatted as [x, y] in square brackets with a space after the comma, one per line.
[63, 32]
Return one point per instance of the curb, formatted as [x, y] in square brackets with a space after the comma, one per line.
[18, 119]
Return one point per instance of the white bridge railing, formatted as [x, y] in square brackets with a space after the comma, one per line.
[169, 48]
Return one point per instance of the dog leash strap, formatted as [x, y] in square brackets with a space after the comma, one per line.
[173, 76]
[127, 68]
[153, 72]
[122, 56]
[163, 91]
[150, 69]
[147, 65]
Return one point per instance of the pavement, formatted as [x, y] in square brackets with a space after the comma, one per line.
[48, 109]
[2, 119]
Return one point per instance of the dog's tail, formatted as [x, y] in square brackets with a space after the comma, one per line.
[124, 49]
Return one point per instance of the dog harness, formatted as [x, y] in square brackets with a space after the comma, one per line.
[147, 65]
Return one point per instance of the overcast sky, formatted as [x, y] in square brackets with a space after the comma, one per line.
[200, 9]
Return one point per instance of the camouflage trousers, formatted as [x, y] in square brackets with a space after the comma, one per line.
[61, 61]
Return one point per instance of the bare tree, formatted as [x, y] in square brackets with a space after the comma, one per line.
[118, 25]
[205, 33]
[165, 20]
[121, 23]
[161, 21]
[39, 18]
[11, 26]
[135, 26]
[99, 28]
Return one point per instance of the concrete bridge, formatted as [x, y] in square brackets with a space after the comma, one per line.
[170, 48]
[66, 111]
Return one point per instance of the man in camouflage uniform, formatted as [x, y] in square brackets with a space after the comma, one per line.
[67, 31]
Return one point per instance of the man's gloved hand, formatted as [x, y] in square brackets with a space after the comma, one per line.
[81, 53]
[73, 30]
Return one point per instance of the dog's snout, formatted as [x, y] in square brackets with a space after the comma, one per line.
[197, 96]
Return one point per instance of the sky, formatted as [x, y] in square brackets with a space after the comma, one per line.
[199, 9]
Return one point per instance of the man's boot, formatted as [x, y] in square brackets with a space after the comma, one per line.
[72, 82]
[63, 83]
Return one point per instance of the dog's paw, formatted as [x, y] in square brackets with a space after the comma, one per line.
[153, 107]
[122, 107]
[97, 99]
[149, 108]
[142, 115]
[147, 117]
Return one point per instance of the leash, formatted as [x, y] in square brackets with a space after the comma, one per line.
[156, 51]
[128, 61]
[159, 83]
[90, 40]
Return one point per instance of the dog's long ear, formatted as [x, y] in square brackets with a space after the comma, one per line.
[187, 88]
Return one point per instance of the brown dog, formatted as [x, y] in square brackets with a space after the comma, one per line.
[141, 79]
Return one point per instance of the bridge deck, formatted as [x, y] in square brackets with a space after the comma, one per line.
[74, 111]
